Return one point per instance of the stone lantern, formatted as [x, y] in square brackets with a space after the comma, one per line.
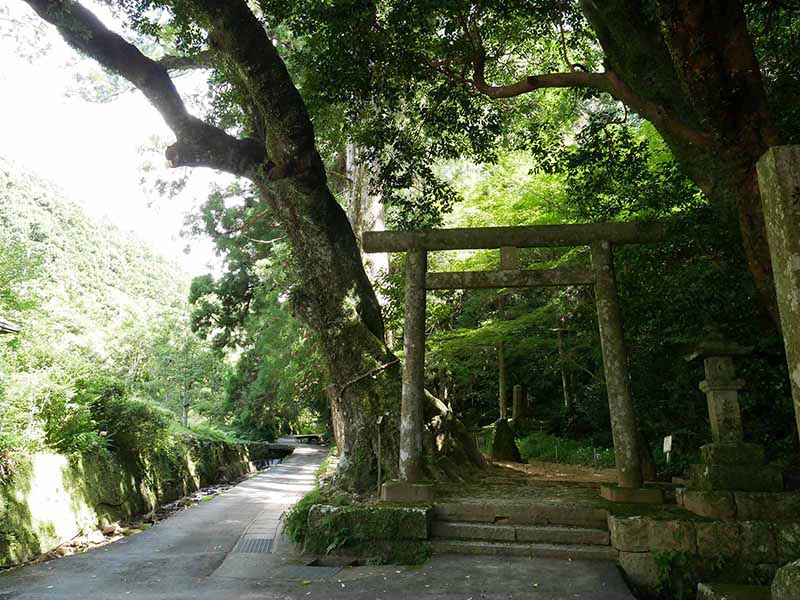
[728, 463]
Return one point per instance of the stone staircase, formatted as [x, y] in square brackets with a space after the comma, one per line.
[529, 529]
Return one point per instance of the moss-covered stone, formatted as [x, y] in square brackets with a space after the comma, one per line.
[718, 539]
[739, 478]
[631, 495]
[786, 585]
[734, 454]
[788, 540]
[376, 532]
[757, 542]
[768, 506]
[629, 534]
[709, 503]
[640, 568]
[731, 591]
[503, 445]
[397, 552]
[675, 536]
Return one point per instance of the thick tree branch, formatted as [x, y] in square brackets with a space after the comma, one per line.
[606, 81]
[198, 144]
[573, 79]
[201, 60]
[236, 33]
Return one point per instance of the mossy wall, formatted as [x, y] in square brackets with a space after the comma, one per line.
[668, 558]
[51, 498]
[375, 533]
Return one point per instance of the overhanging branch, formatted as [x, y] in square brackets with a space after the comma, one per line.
[606, 81]
[198, 143]
[573, 79]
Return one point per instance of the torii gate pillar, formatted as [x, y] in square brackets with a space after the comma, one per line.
[413, 396]
[409, 487]
[615, 365]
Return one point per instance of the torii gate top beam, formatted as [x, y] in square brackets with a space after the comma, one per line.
[529, 236]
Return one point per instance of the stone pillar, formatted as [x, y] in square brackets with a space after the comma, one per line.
[615, 363]
[502, 382]
[413, 395]
[509, 261]
[779, 180]
[721, 388]
[509, 258]
[518, 406]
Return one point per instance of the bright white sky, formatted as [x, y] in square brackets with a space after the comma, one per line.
[91, 150]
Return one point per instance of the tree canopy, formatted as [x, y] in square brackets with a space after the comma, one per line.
[468, 113]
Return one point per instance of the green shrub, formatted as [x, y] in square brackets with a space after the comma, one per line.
[68, 421]
[132, 424]
[205, 432]
[296, 519]
[548, 448]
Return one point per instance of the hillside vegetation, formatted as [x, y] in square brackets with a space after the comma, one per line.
[105, 358]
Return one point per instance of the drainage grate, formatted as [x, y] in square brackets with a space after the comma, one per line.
[253, 545]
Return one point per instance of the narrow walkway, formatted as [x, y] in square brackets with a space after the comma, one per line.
[226, 549]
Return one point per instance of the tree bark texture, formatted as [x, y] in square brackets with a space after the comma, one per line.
[567, 374]
[366, 213]
[689, 66]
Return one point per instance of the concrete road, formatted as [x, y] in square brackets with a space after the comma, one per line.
[228, 548]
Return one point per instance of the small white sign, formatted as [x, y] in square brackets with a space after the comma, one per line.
[668, 444]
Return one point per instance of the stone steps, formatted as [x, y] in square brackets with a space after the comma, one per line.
[522, 513]
[534, 530]
[725, 591]
[565, 551]
[548, 534]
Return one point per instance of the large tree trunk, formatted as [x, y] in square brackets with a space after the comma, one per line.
[691, 62]
[333, 296]
[332, 293]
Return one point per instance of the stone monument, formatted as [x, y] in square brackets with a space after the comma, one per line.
[728, 464]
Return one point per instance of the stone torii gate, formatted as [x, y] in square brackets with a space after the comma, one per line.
[600, 237]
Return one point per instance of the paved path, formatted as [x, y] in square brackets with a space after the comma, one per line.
[220, 550]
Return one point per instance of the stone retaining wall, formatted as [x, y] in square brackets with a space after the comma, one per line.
[51, 498]
[382, 533]
[746, 550]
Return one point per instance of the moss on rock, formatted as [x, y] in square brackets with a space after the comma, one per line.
[377, 533]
